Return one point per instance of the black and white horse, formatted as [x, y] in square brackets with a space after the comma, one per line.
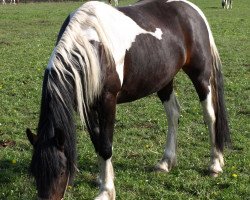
[11, 1]
[226, 4]
[105, 56]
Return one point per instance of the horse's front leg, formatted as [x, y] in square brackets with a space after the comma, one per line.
[106, 180]
[106, 111]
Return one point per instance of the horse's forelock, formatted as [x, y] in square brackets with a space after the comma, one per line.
[45, 165]
[55, 114]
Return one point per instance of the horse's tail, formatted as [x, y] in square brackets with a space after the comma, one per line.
[222, 134]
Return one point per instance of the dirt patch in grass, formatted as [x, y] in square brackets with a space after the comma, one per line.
[7, 143]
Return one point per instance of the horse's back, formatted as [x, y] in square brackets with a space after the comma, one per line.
[154, 62]
[150, 41]
[175, 17]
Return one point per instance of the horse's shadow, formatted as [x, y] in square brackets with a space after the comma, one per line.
[88, 170]
[213, 8]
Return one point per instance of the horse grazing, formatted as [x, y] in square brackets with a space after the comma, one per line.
[226, 4]
[105, 56]
[11, 1]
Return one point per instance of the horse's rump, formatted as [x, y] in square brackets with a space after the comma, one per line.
[182, 38]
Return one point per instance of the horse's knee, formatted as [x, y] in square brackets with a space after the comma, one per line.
[105, 150]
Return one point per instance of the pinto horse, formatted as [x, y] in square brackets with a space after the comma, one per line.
[105, 56]
[227, 3]
[11, 1]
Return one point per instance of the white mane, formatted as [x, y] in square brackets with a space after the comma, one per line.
[94, 21]
[75, 51]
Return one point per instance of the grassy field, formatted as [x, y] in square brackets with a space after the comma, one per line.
[27, 36]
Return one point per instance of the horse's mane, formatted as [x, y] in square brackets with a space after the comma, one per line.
[72, 82]
[77, 57]
[55, 115]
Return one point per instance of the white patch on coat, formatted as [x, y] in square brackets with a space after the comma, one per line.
[217, 161]
[119, 30]
[172, 109]
[107, 188]
[102, 23]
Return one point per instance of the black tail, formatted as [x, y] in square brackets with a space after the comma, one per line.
[222, 134]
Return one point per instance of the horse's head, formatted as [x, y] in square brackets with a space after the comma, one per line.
[49, 166]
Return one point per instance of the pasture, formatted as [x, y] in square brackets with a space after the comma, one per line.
[27, 37]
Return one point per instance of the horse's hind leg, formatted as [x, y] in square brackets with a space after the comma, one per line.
[201, 77]
[172, 109]
[217, 161]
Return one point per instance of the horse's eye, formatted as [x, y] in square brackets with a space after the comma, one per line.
[62, 173]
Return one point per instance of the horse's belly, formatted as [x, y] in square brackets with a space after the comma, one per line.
[149, 65]
[136, 91]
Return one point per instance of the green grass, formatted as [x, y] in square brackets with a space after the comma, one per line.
[27, 36]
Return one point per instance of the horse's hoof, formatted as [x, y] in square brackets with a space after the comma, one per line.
[162, 167]
[214, 174]
[215, 169]
[106, 195]
[103, 196]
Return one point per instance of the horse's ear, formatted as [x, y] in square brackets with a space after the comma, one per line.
[31, 136]
[59, 138]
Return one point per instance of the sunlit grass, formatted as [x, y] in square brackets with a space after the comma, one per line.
[27, 36]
